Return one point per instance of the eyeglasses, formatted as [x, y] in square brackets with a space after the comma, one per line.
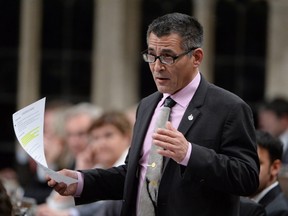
[168, 60]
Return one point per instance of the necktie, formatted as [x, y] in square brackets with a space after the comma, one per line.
[149, 191]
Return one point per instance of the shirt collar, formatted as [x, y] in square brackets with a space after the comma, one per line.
[185, 95]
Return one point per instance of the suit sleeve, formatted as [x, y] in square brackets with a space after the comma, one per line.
[231, 165]
[102, 185]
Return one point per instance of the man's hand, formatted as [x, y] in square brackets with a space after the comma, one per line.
[61, 187]
[172, 141]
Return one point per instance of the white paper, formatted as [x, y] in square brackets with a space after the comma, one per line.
[28, 126]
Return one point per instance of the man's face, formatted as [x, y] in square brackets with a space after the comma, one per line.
[265, 175]
[76, 133]
[170, 78]
[110, 143]
[268, 121]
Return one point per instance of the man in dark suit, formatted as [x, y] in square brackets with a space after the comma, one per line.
[250, 208]
[208, 145]
[269, 194]
[273, 118]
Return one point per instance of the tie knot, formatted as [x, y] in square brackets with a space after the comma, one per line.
[169, 102]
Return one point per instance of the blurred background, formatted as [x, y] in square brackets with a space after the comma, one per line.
[90, 50]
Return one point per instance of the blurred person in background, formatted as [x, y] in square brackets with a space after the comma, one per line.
[77, 120]
[6, 208]
[273, 118]
[109, 140]
[55, 149]
[131, 113]
[269, 193]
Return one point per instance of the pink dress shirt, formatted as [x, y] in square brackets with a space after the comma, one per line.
[182, 98]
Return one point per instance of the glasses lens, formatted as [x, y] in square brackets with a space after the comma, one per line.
[148, 58]
[163, 59]
[166, 60]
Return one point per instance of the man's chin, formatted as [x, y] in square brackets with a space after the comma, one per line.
[164, 89]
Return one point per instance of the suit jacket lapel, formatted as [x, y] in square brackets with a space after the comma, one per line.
[144, 114]
[144, 117]
[270, 196]
[188, 119]
[192, 112]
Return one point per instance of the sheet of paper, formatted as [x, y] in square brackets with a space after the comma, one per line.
[28, 126]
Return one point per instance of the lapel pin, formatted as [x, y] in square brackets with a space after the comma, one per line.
[190, 117]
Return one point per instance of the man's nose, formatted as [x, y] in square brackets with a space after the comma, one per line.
[158, 66]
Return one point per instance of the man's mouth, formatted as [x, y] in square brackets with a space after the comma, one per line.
[162, 78]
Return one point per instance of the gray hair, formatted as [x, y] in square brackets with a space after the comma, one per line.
[86, 108]
[187, 27]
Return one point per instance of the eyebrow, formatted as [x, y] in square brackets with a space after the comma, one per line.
[166, 51]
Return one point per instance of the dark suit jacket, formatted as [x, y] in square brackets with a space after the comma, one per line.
[275, 202]
[101, 208]
[223, 164]
[250, 208]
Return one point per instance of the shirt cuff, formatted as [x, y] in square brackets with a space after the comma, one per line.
[80, 184]
[185, 161]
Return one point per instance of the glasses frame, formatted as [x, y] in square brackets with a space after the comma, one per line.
[145, 56]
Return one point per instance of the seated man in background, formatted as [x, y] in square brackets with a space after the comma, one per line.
[269, 193]
[250, 208]
[273, 118]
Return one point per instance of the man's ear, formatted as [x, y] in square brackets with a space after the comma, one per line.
[275, 167]
[198, 57]
[284, 121]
